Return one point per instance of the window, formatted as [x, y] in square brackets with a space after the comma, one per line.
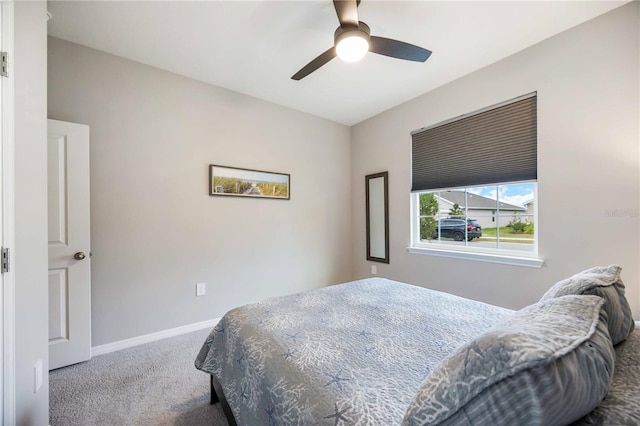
[492, 217]
[474, 185]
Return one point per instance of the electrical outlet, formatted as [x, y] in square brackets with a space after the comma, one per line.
[37, 376]
[201, 289]
[374, 270]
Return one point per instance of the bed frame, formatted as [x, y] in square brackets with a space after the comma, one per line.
[218, 396]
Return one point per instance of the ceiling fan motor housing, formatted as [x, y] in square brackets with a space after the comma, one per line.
[362, 31]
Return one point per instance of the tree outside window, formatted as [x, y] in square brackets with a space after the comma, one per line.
[456, 212]
[428, 210]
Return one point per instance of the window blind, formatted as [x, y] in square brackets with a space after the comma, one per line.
[495, 145]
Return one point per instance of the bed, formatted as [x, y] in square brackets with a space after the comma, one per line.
[377, 351]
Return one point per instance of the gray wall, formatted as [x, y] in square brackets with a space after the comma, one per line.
[155, 230]
[588, 162]
[30, 174]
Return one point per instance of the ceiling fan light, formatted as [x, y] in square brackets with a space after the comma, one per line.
[352, 48]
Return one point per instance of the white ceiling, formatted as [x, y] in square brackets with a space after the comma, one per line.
[254, 47]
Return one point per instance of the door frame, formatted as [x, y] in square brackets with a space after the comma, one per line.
[7, 307]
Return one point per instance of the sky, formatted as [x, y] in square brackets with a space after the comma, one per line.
[517, 194]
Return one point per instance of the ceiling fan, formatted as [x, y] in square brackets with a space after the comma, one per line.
[352, 40]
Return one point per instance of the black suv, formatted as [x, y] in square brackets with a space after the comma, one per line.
[458, 228]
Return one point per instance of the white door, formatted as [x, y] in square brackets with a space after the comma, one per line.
[69, 244]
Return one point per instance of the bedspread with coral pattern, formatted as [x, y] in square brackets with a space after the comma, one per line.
[352, 353]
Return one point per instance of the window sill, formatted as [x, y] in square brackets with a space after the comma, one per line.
[505, 259]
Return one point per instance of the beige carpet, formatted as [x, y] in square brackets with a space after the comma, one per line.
[151, 384]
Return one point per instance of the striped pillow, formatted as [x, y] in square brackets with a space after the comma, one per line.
[603, 281]
[549, 363]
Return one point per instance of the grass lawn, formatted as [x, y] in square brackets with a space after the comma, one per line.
[506, 235]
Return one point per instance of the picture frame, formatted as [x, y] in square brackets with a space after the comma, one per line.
[249, 183]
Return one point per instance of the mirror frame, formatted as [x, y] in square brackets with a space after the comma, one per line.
[385, 177]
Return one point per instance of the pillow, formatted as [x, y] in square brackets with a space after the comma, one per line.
[549, 363]
[603, 281]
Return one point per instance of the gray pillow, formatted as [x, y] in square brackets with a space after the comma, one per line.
[549, 363]
[603, 281]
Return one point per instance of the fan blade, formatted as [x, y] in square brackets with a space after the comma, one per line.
[315, 64]
[347, 11]
[398, 49]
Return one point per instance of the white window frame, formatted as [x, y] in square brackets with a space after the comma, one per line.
[483, 254]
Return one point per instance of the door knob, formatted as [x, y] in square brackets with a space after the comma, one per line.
[79, 256]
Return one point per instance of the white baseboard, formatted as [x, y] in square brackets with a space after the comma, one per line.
[147, 338]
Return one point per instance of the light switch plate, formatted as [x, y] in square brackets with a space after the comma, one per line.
[201, 289]
[374, 270]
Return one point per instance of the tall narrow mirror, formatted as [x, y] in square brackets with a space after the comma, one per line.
[377, 200]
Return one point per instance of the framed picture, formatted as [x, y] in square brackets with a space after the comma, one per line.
[237, 182]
